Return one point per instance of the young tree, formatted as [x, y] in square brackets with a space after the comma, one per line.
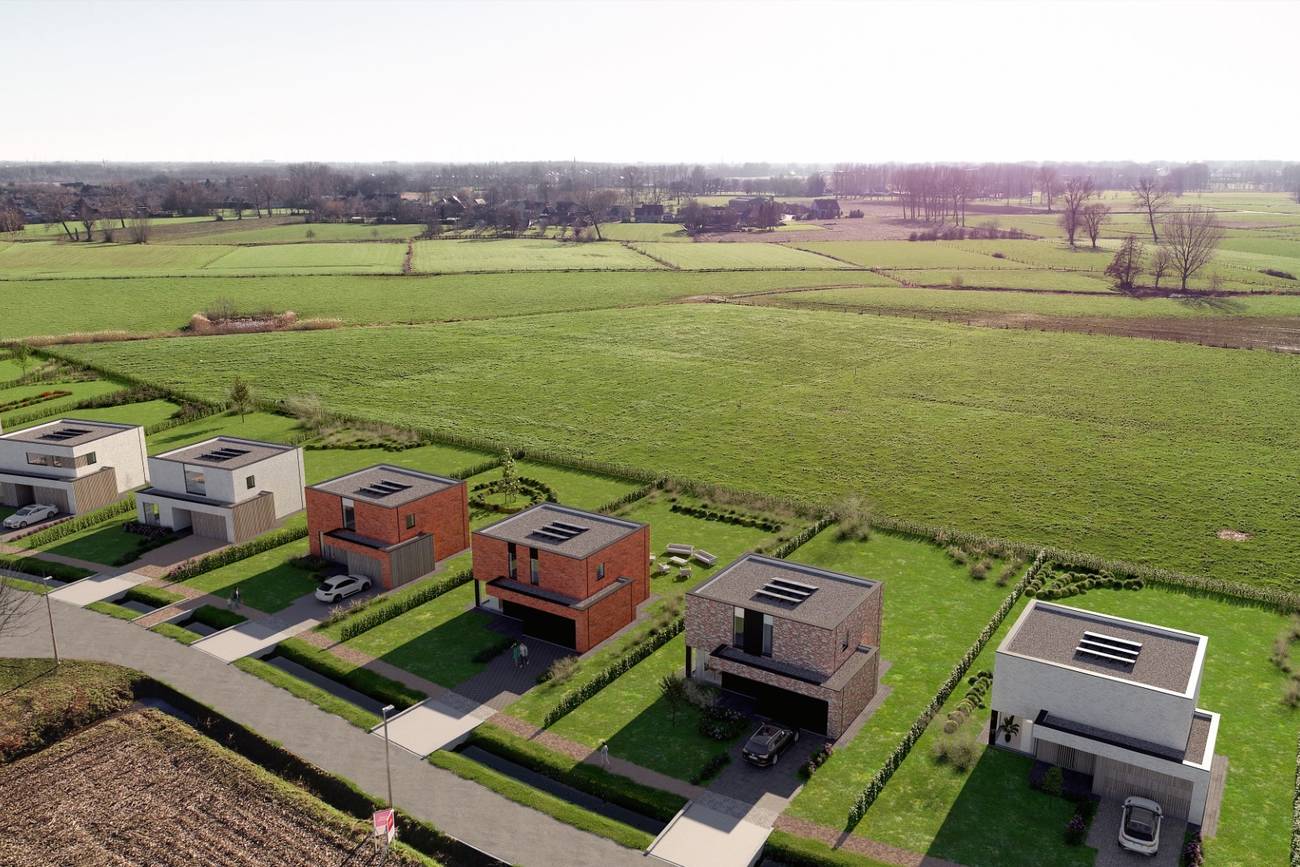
[1125, 268]
[138, 230]
[22, 354]
[241, 398]
[1150, 197]
[1076, 193]
[509, 484]
[86, 215]
[816, 185]
[593, 203]
[673, 689]
[1161, 262]
[11, 221]
[1192, 237]
[1094, 217]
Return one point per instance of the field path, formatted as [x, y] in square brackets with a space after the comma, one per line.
[461, 808]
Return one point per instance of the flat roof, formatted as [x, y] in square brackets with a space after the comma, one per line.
[386, 485]
[529, 527]
[68, 432]
[1169, 659]
[241, 453]
[748, 583]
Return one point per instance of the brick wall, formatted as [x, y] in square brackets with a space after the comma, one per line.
[627, 558]
[709, 624]
[444, 515]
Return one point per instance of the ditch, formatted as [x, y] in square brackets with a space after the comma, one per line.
[333, 687]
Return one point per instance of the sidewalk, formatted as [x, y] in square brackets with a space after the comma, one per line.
[463, 809]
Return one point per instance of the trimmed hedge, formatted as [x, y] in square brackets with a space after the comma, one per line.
[801, 852]
[176, 633]
[326, 701]
[614, 788]
[739, 519]
[475, 469]
[785, 549]
[188, 412]
[153, 596]
[38, 568]
[112, 609]
[363, 680]
[217, 618]
[79, 523]
[575, 697]
[235, 553]
[878, 780]
[630, 497]
[382, 609]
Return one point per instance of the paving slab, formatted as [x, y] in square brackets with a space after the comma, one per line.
[702, 836]
[434, 723]
[247, 639]
[96, 588]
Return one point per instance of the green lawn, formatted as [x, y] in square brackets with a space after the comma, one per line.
[735, 255]
[644, 232]
[266, 581]
[54, 406]
[572, 488]
[104, 260]
[1041, 437]
[103, 543]
[298, 233]
[933, 612]
[525, 255]
[144, 413]
[309, 259]
[437, 641]
[256, 425]
[322, 464]
[1005, 278]
[638, 724]
[906, 254]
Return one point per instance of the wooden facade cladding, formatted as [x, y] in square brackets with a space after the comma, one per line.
[251, 517]
[96, 490]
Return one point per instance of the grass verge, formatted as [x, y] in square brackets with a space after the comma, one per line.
[308, 692]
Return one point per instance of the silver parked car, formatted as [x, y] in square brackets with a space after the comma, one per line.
[27, 515]
[341, 586]
[1139, 829]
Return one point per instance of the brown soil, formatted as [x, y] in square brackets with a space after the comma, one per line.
[1234, 535]
[1276, 333]
[145, 789]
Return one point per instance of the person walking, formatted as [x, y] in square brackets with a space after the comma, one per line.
[523, 652]
[236, 597]
[604, 753]
[515, 654]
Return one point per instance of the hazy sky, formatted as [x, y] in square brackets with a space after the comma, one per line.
[649, 81]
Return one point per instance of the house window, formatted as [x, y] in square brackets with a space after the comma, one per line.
[87, 459]
[512, 561]
[844, 642]
[250, 482]
[39, 460]
[349, 514]
[195, 483]
[410, 521]
[738, 627]
[600, 572]
[767, 634]
[534, 573]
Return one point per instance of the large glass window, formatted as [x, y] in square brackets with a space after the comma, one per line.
[600, 572]
[534, 572]
[349, 514]
[195, 483]
[738, 627]
[37, 459]
[512, 561]
[767, 634]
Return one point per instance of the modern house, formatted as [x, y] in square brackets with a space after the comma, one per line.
[224, 488]
[74, 465]
[1111, 698]
[388, 523]
[572, 577]
[802, 642]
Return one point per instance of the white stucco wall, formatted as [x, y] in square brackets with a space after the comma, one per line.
[282, 474]
[125, 452]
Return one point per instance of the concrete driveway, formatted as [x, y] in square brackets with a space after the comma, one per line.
[96, 588]
[1104, 837]
[702, 836]
[434, 723]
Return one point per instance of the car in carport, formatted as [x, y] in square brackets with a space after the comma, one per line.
[765, 746]
[28, 515]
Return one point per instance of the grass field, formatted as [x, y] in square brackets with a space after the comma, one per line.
[525, 255]
[297, 233]
[572, 488]
[644, 232]
[1005, 278]
[906, 254]
[1144, 462]
[309, 259]
[104, 260]
[54, 405]
[104, 543]
[150, 305]
[256, 425]
[144, 413]
[723, 256]
[322, 464]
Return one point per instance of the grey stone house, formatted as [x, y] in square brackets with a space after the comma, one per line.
[802, 642]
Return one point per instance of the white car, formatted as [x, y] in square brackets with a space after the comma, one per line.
[1139, 829]
[32, 514]
[341, 586]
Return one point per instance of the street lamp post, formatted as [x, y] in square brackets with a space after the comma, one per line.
[49, 611]
[388, 767]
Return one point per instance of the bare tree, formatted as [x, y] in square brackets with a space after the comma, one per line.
[1192, 237]
[11, 222]
[1074, 195]
[14, 603]
[1049, 183]
[592, 203]
[1125, 268]
[86, 215]
[1094, 217]
[632, 183]
[1152, 198]
[54, 204]
[1161, 262]
[138, 229]
[264, 189]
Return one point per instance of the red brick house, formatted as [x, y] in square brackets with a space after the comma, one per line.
[572, 577]
[802, 642]
[388, 523]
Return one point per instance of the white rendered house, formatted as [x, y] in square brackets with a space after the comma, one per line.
[77, 466]
[1112, 698]
[224, 488]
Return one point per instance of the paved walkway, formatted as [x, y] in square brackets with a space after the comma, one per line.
[435, 723]
[701, 836]
[463, 809]
[261, 630]
[96, 588]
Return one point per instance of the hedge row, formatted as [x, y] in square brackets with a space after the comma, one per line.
[155, 596]
[112, 398]
[363, 680]
[614, 788]
[793, 851]
[235, 553]
[877, 782]
[188, 413]
[475, 469]
[37, 567]
[79, 523]
[338, 792]
[381, 610]
[575, 697]
[785, 549]
[630, 497]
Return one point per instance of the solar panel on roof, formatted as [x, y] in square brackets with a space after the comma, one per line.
[65, 433]
[566, 526]
[787, 590]
[558, 531]
[777, 594]
[222, 454]
[1120, 650]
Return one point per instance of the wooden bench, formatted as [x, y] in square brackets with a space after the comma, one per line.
[705, 558]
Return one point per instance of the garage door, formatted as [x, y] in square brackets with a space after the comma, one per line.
[360, 564]
[779, 704]
[542, 624]
[209, 526]
[51, 497]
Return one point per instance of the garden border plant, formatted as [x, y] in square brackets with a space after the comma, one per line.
[363, 680]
